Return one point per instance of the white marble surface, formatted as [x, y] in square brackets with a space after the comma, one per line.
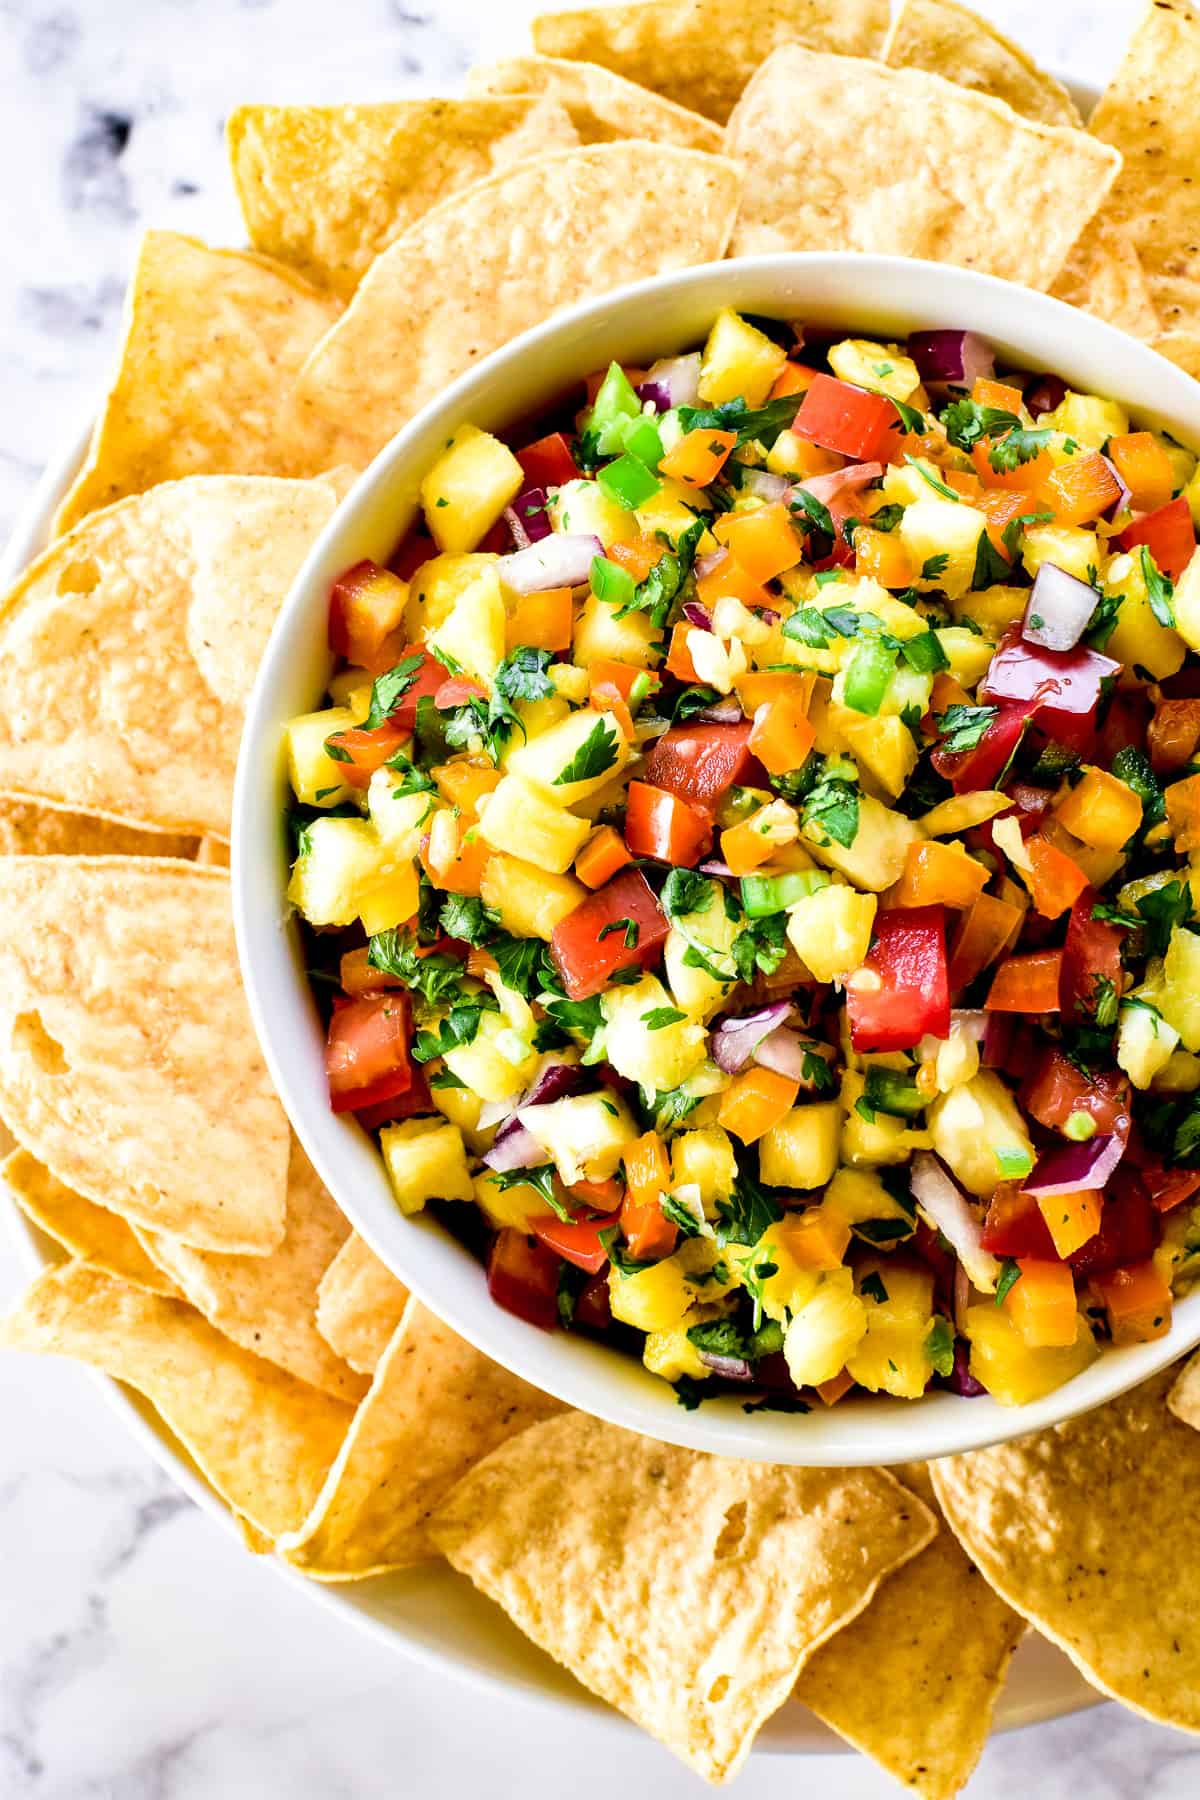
[142, 1655]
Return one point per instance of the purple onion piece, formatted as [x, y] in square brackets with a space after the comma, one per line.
[1045, 393]
[697, 615]
[555, 1080]
[656, 392]
[730, 1368]
[725, 712]
[1058, 609]
[958, 357]
[961, 1381]
[856, 475]
[783, 1051]
[672, 381]
[529, 516]
[1072, 1168]
[563, 559]
[734, 1041]
[514, 1147]
[714, 866]
[709, 561]
[944, 1206]
[1124, 498]
[763, 485]
[971, 1024]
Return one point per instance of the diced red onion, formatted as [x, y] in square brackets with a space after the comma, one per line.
[1058, 609]
[784, 1053]
[763, 485]
[697, 615]
[528, 518]
[946, 1209]
[1045, 393]
[735, 1041]
[673, 381]
[957, 357]
[725, 712]
[1124, 498]
[554, 1080]
[704, 565]
[972, 1025]
[851, 478]
[714, 866]
[730, 1368]
[564, 559]
[514, 1148]
[1072, 1168]
[961, 1381]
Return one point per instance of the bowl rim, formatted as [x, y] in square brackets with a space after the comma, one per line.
[871, 293]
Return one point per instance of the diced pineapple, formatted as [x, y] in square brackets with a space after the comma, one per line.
[904, 485]
[672, 511]
[993, 609]
[339, 859]
[654, 1299]
[710, 933]
[584, 509]
[1012, 1373]
[538, 718]
[425, 1161]
[1066, 546]
[352, 689]
[830, 931]
[392, 897]
[883, 747]
[971, 1124]
[315, 777]
[858, 1197]
[519, 820]
[1187, 591]
[892, 1357]
[779, 1283]
[881, 1140]
[967, 653]
[529, 901]
[1191, 494]
[398, 818]
[645, 1040]
[473, 632]
[882, 368]
[934, 529]
[436, 588]
[705, 1159]
[462, 1108]
[498, 1063]
[1145, 1042]
[468, 488]
[738, 360]
[1138, 636]
[1177, 1258]
[802, 1150]
[1088, 418]
[547, 756]
[570, 682]
[955, 1059]
[600, 633]
[584, 1135]
[877, 856]
[1179, 989]
[1181, 1075]
[514, 1205]
[1183, 462]
[826, 1331]
[672, 1354]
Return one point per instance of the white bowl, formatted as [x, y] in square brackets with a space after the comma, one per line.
[635, 324]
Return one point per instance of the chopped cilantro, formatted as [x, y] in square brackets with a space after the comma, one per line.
[761, 424]
[659, 1017]
[629, 927]
[963, 727]
[939, 1345]
[1160, 590]
[1010, 1274]
[831, 809]
[596, 753]
[931, 480]
[389, 689]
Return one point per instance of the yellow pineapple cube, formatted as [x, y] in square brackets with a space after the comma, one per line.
[519, 820]
[647, 1039]
[672, 1354]
[802, 1150]
[436, 588]
[473, 632]
[1139, 637]
[705, 1159]
[468, 488]
[584, 1136]
[398, 818]
[462, 1108]
[826, 1330]
[971, 1124]
[1088, 418]
[498, 1063]
[879, 1141]
[881, 368]
[339, 859]
[672, 511]
[530, 902]
[892, 1357]
[589, 741]
[514, 1205]
[966, 652]
[655, 1299]
[583, 509]
[315, 776]
[1069, 547]
[830, 931]
[883, 746]
[599, 633]
[738, 360]
[877, 856]
[392, 896]
[938, 528]
[1012, 1372]
[425, 1161]
[858, 1197]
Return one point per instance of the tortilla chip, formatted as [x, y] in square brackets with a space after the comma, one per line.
[212, 853]
[128, 1063]
[326, 188]
[435, 1407]
[359, 1305]
[488, 264]
[1184, 1397]
[27, 829]
[838, 152]
[1089, 1530]
[1182, 347]
[268, 1304]
[951, 40]
[1148, 112]
[129, 648]
[686, 1590]
[261, 1438]
[213, 339]
[913, 1681]
[87, 1231]
[1104, 275]
[697, 52]
[602, 105]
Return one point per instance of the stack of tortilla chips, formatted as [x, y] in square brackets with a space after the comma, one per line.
[191, 1250]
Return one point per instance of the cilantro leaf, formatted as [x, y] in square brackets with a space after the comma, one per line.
[1103, 621]
[930, 479]
[1132, 766]
[684, 891]
[762, 946]
[541, 1179]
[522, 676]
[389, 689]
[458, 1027]
[814, 510]
[659, 1017]
[720, 1337]
[679, 1215]
[1010, 1274]
[807, 626]
[465, 916]
[761, 424]
[991, 569]
[597, 753]
[437, 978]
[629, 929]
[831, 808]
[1161, 911]
[963, 727]
[747, 1214]
[872, 1286]
[519, 961]
[1018, 446]
[910, 418]
[939, 1345]
[656, 594]
[1160, 590]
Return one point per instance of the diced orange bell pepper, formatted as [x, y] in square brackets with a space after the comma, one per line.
[1100, 810]
[647, 1169]
[963, 482]
[544, 621]
[638, 556]
[648, 1233]
[755, 690]
[1029, 476]
[1000, 506]
[463, 873]
[698, 457]
[1080, 490]
[817, 1238]
[358, 976]
[659, 824]
[836, 1389]
[1056, 879]
[679, 657]
[986, 932]
[1173, 735]
[881, 556]
[1138, 1302]
[793, 378]
[727, 576]
[755, 1101]
[620, 675]
[606, 697]
[781, 737]
[598, 1196]
[1183, 813]
[744, 848]
[1071, 1219]
[1027, 984]
[998, 394]
[463, 783]
[804, 458]
[937, 874]
[1042, 1304]
[1144, 467]
[601, 857]
[764, 541]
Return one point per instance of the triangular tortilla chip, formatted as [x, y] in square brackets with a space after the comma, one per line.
[359, 1305]
[1184, 1397]
[1104, 275]
[269, 1303]
[697, 52]
[1149, 113]
[951, 40]
[1077, 1527]
[435, 1407]
[326, 188]
[491, 262]
[87, 1231]
[837, 151]
[601, 104]
[261, 1438]
[686, 1590]
[128, 1063]
[28, 829]
[913, 1681]
[1182, 347]
[213, 339]
[128, 649]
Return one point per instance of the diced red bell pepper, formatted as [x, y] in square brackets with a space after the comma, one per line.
[366, 1056]
[366, 605]
[522, 1277]
[971, 770]
[902, 991]
[1014, 1225]
[848, 419]
[1026, 984]
[700, 763]
[1169, 1187]
[358, 752]
[1130, 1228]
[548, 462]
[576, 1242]
[662, 826]
[1054, 1089]
[1091, 965]
[401, 1106]
[585, 959]
[1071, 683]
[1169, 535]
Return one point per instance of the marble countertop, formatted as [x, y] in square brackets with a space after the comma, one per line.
[143, 1656]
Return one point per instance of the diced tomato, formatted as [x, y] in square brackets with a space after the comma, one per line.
[522, 1276]
[366, 1057]
[700, 763]
[848, 419]
[427, 680]
[1026, 984]
[903, 990]
[411, 554]
[358, 977]
[401, 1106]
[358, 752]
[1173, 735]
[1168, 534]
[457, 690]
[575, 1241]
[970, 770]
[548, 463]
[585, 959]
[1069, 681]
[1130, 1228]
[1054, 1089]
[662, 826]
[1091, 965]
[1014, 1225]
[366, 605]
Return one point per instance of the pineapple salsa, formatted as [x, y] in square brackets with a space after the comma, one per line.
[753, 844]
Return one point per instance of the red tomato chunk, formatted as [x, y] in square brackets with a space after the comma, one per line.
[847, 419]
[366, 1058]
[585, 959]
[522, 1275]
[903, 990]
[700, 763]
